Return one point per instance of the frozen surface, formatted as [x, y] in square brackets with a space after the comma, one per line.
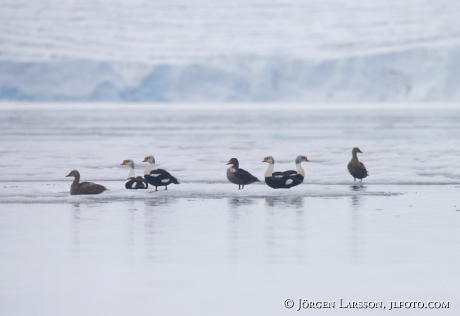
[287, 50]
[400, 144]
[205, 248]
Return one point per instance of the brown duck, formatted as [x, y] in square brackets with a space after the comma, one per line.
[356, 167]
[239, 176]
[84, 187]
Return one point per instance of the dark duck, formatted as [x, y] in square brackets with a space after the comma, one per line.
[78, 187]
[239, 176]
[355, 167]
[133, 182]
[157, 177]
[286, 179]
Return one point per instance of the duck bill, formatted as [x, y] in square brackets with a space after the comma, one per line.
[123, 163]
[229, 163]
[69, 175]
[265, 159]
[145, 159]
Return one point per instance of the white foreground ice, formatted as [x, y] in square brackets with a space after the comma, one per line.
[206, 248]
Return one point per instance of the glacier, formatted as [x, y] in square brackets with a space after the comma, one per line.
[234, 51]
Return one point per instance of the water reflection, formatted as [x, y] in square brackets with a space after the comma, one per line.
[75, 210]
[239, 214]
[236, 202]
[164, 201]
[356, 204]
[76, 217]
[157, 218]
[357, 200]
[282, 227]
[131, 206]
[358, 188]
[285, 201]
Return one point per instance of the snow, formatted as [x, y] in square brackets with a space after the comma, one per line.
[289, 50]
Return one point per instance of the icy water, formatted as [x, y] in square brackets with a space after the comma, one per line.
[205, 248]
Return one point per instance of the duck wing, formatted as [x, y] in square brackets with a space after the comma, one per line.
[90, 188]
[363, 168]
[291, 180]
[290, 173]
[245, 176]
[163, 176]
[136, 183]
[280, 174]
[284, 182]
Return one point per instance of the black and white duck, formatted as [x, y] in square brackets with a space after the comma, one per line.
[133, 182]
[239, 176]
[355, 167]
[78, 188]
[157, 177]
[286, 179]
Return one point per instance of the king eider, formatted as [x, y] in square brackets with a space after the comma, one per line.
[133, 182]
[355, 167]
[85, 187]
[239, 176]
[157, 177]
[286, 179]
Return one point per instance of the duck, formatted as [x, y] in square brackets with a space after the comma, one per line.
[133, 182]
[157, 177]
[286, 179]
[84, 187]
[355, 167]
[239, 176]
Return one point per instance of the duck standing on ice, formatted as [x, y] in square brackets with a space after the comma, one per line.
[355, 167]
[157, 177]
[239, 176]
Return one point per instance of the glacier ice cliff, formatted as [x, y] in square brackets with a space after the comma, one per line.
[414, 75]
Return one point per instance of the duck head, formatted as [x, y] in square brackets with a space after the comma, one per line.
[128, 162]
[299, 159]
[356, 150]
[233, 162]
[149, 159]
[73, 173]
[269, 159]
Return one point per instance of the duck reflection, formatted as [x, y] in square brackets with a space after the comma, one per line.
[285, 201]
[357, 200]
[76, 216]
[239, 214]
[75, 209]
[358, 188]
[159, 202]
[236, 202]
